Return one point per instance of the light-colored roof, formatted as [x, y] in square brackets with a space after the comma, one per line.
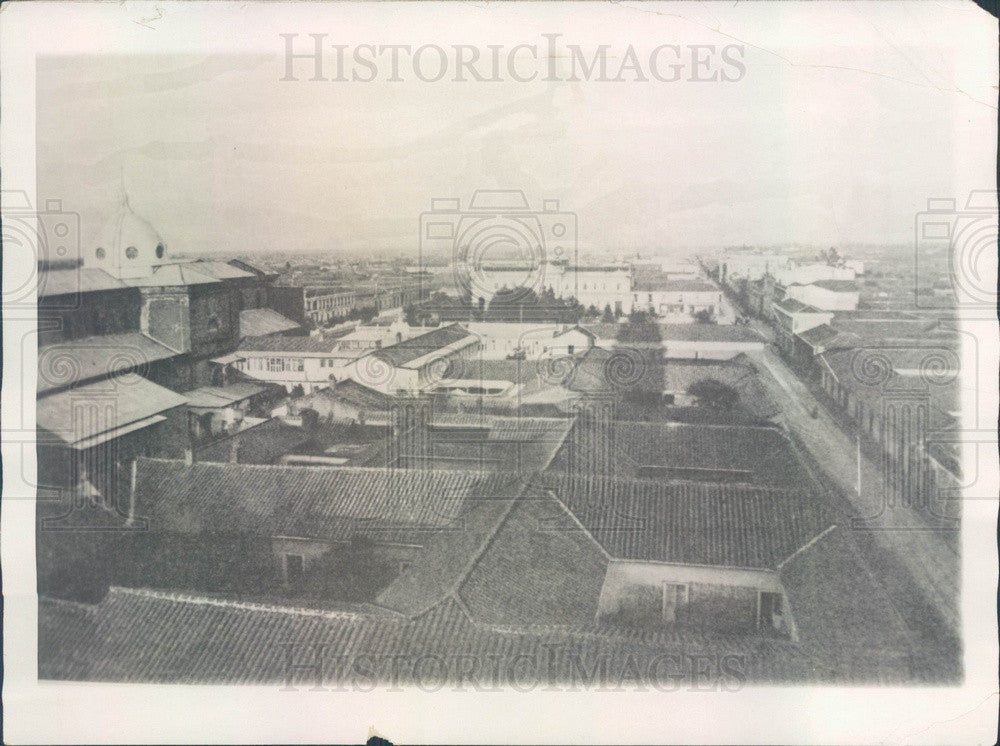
[55, 282]
[218, 397]
[66, 363]
[218, 270]
[103, 407]
[171, 275]
[259, 322]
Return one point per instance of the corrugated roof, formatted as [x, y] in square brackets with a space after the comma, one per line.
[692, 523]
[65, 363]
[87, 411]
[258, 322]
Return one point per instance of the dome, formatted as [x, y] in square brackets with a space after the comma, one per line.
[128, 246]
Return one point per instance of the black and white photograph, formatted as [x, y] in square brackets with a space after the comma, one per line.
[581, 372]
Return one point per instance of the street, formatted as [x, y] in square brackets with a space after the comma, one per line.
[898, 531]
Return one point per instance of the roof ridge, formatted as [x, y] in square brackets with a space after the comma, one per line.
[340, 469]
[814, 540]
[181, 597]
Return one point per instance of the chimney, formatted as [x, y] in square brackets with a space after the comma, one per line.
[234, 450]
[188, 457]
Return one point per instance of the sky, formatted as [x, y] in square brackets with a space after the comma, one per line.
[845, 121]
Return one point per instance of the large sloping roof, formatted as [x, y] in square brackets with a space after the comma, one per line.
[833, 598]
[103, 408]
[754, 455]
[411, 349]
[142, 635]
[54, 282]
[692, 523]
[310, 502]
[539, 568]
[258, 322]
[65, 363]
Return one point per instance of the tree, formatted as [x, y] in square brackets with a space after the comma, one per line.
[712, 393]
[608, 317]
[704, 316]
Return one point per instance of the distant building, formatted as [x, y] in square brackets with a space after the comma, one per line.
[677, 301]
[827, 295]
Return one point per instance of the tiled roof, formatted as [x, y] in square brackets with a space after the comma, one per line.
[103, 407]
[540, 568]
[65, 363]
[833, 598]
[329, 503]
[624, 368]
[515, 371]
[79, 280]
[758, 455]
[140, 635]
[352, 392]
[877, 372]
[411, 349]
[692, 523]
[262, 444]
[258, 322]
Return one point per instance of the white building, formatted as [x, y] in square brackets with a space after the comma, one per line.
[677, 301]
[827, 295]
[415, 364]
[805, 274]
[310, 362]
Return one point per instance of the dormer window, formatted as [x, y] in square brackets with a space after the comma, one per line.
[131, 252]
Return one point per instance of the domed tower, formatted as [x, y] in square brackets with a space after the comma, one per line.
[127, 247]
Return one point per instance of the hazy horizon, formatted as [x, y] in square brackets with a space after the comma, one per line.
[816, 145]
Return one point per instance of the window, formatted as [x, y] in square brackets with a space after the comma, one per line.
[770, 611]
[100, 253]
[570, 349]
[159, 251]
[131, 252]
[294, 567]
[675, 596]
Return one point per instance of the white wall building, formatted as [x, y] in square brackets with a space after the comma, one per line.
[827, 295]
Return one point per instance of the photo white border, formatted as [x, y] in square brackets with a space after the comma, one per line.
[39, 712]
